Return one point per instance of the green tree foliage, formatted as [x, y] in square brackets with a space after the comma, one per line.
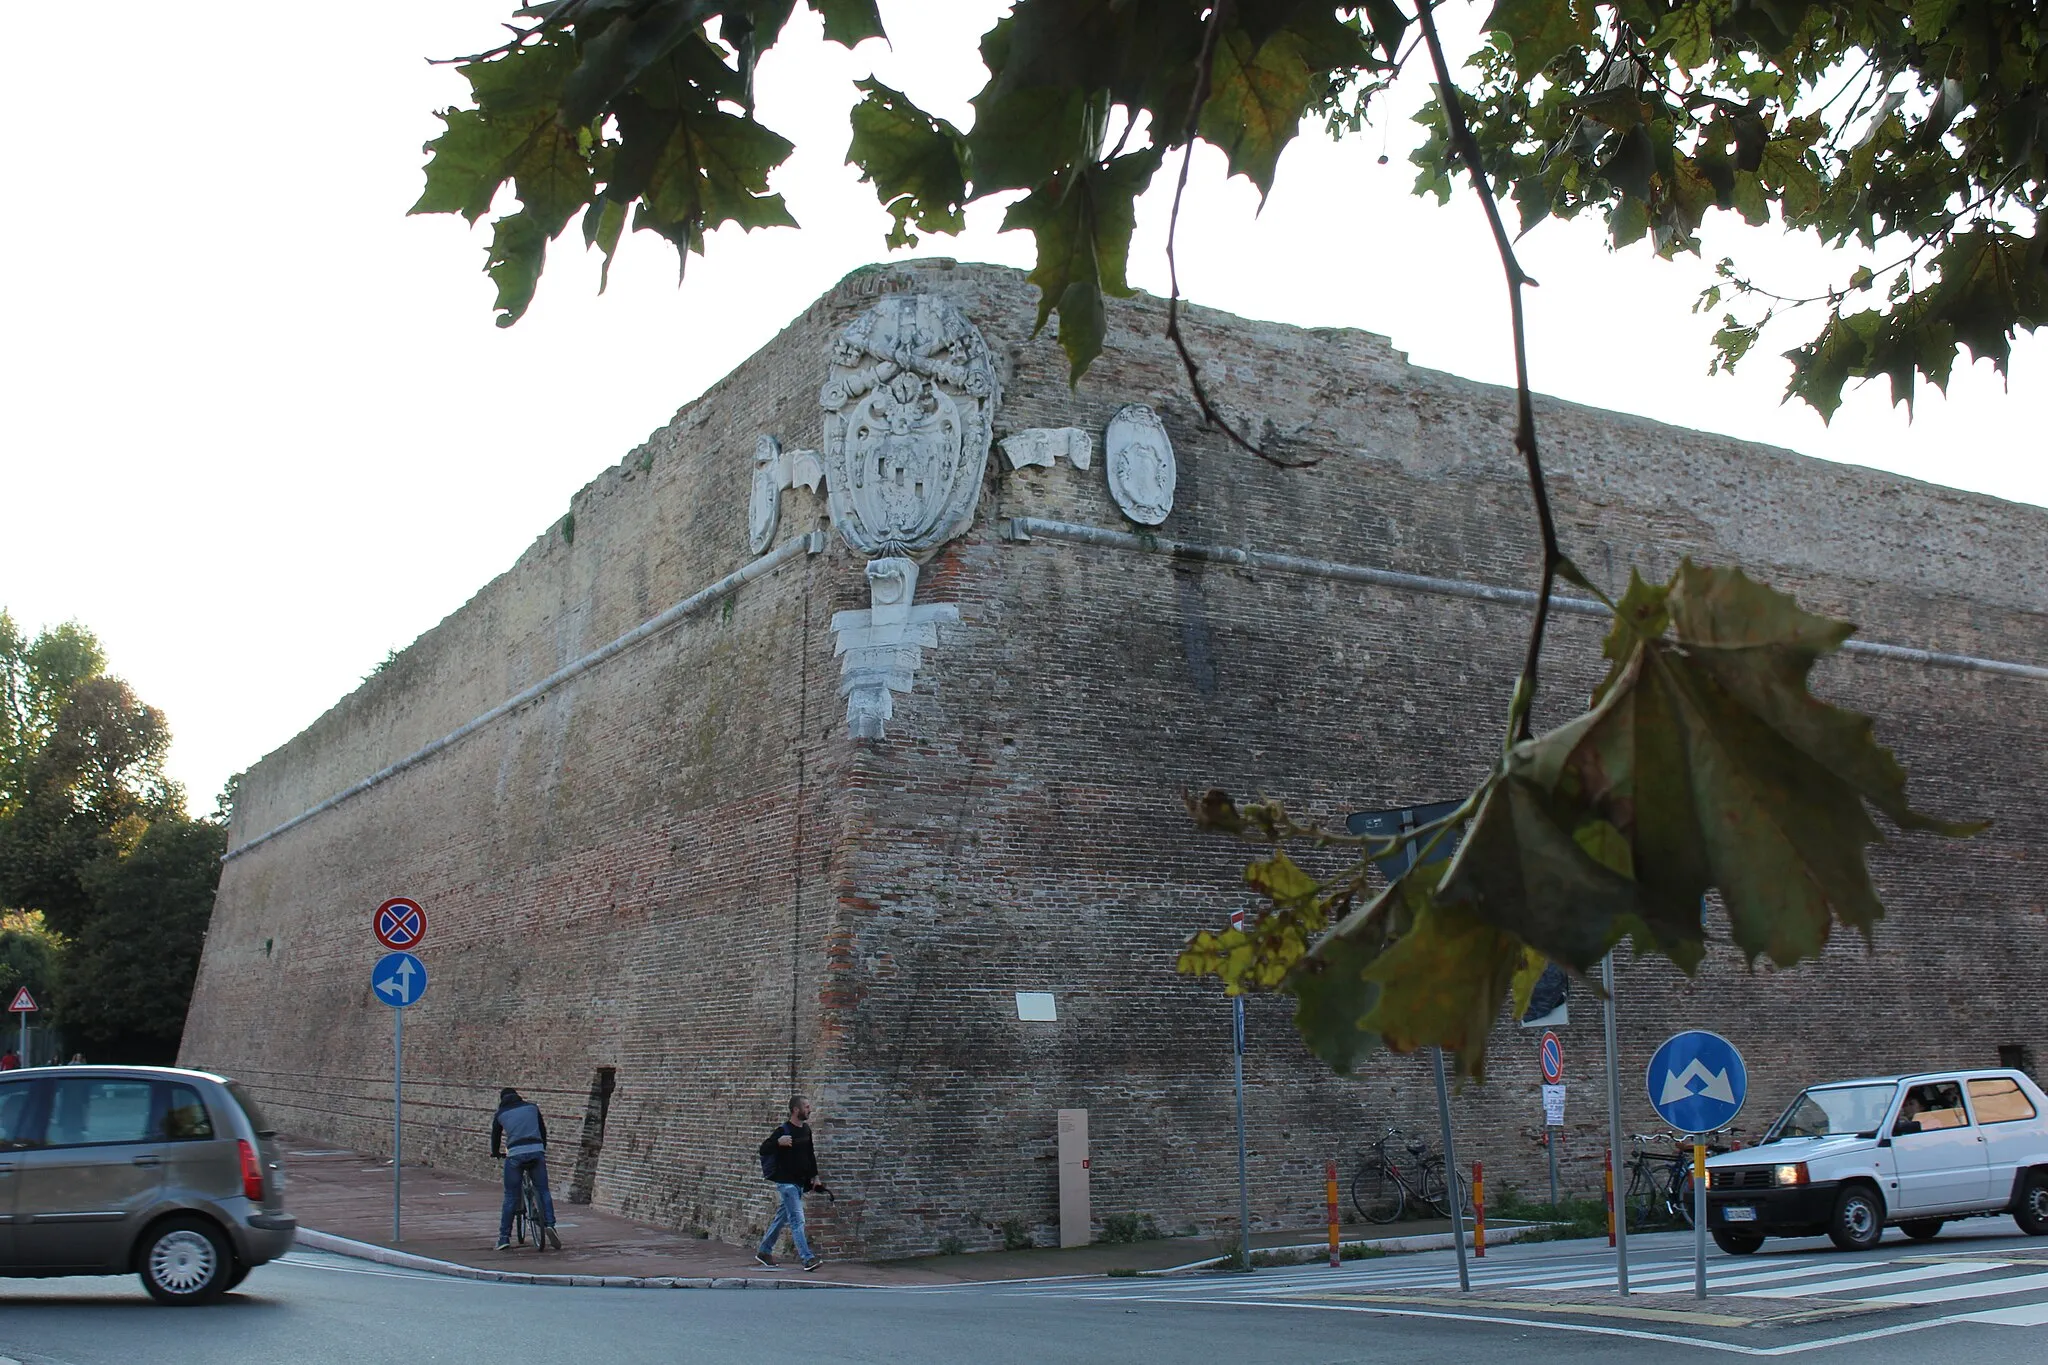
[116, 880]
[1918, 128]
[127, 975]
[36, 676]
[30, 954]
[92, 789]
[1704, 766]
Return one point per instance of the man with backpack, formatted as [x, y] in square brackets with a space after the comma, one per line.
[790, 1164]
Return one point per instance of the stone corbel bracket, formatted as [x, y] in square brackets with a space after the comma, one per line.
[880, 649]
[1043, 445]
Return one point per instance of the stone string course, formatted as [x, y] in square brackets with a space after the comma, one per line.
[680, 866]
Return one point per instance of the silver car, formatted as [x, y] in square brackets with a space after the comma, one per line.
[108, 1169]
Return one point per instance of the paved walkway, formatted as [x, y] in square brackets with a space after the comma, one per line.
[454, 1219]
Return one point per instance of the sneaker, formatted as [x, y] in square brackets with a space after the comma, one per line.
[765, 1259]
[814, 1263]
[554, 1239]
[504, 1244]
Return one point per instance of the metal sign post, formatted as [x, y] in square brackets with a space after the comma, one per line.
[1403, 822]
[1443, 1113]
[1550, 1065]
[1697, 1083]
[1614, 1123]
[397, 1129]
[1244, 1195]
[1699, 1220]
[399, 980]
[24, 1005]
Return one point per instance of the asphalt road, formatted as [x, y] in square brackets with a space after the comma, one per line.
[326, 1310]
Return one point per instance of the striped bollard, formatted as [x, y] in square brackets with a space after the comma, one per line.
[1608, 1162]
[1330, 1191]
[1478, 1210]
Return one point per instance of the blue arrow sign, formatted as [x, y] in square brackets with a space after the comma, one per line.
[1697, 1081]
[399, 979]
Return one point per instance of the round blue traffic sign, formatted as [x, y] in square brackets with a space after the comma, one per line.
[1697, 1081]
[398, 979]
[1550, 1059]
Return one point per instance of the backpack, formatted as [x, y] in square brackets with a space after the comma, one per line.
[768, 1154]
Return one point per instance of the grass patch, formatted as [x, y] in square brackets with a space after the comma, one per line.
[1122, 1272]
[1570, 1217]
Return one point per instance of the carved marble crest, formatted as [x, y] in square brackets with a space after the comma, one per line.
[1139, 460]
[909, 400]
[764, 500]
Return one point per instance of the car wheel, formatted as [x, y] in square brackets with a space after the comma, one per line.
[184, 1261]
[1737, 1243]
[1921, 1229]
[2030, 1210]
[1858, 1221]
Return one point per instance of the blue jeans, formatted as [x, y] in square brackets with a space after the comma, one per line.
[790, 1215]
[515, 1164]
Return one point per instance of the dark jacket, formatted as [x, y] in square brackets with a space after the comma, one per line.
[519, 1126]
[795, 1164]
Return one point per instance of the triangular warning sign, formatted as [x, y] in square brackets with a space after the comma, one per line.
[24, 1003]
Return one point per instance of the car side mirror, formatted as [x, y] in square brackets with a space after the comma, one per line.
[1905, 1126]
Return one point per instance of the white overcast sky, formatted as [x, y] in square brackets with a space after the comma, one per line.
[257, 427]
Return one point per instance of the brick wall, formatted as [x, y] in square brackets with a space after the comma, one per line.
[680, 866]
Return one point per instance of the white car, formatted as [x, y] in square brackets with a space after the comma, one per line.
[1915, 1152]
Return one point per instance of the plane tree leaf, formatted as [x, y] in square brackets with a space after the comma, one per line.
[917, 163]
[1705, 764]
[1083, 224]
[629, 114]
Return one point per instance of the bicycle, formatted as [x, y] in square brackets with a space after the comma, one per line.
[1660, 1187]
[1382, 1186]
[527, 1220]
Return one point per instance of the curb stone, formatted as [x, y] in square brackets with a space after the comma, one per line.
[313, 1240]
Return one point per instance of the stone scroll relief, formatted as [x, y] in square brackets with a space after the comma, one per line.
[910, 400]
[1043, 445]
[774, 470]
[1139, 461]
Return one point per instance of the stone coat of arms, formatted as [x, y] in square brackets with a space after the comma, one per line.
[910, 397]
[909, 400]
[1140, 463]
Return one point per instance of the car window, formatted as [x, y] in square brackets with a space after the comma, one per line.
[14, 1107]
[1938, 1104]
[1828, 1110]
[185, 1116]
[1999, 1099]
[255, 1115]
[87, 1111]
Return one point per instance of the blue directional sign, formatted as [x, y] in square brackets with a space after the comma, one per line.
[399, 979]
[1697, 1081]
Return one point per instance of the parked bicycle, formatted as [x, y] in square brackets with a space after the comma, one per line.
[1385, 1186]
[1660, 1187]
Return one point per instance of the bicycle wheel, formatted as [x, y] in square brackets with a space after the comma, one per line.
[529, 1197]
[1643, 1204]
[1377, 1194]
[1439, 1193]
[1681, 1199]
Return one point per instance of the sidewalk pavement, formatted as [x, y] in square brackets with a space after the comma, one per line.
[342, 1200]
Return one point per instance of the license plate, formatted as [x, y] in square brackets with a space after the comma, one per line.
[1738, 1215]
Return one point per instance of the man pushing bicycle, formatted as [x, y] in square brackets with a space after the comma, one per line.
[522, 1134]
